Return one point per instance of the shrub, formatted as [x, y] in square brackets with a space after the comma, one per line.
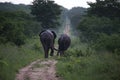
[92, 26]
[12, 58]
[103, 66]
[108, 42]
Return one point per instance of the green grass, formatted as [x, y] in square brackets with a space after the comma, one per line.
[83, 63]
[94, 67]
[12, 58]
[80, 61]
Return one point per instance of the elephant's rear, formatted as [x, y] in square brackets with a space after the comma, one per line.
[47, 38]
[64, 42]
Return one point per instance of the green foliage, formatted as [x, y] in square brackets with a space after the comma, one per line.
[32, 28]
[76, 11]
[16, 26]
[100, 29]
[78, 51]
[75, 15]
[96, 66]
[106, 8]
[16, 23]
[92, 30]
[47, 12]
[82, 62]
[7, 6]
[99, 25]
[10, 30]
[110, 43]
[12, 58]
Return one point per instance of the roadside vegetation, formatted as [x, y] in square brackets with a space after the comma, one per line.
[13, 58]
[18, 47]
[19, 34]
[95, 55]
[83, 62]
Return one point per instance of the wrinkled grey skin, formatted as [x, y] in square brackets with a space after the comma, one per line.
[47, 38]
[64, 42]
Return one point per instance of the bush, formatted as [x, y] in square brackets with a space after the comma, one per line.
[108, 42]
[16, 26]
[92, 26]
[81, 62]
[103, 66]
[12, 58]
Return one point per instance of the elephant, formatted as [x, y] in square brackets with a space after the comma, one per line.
[64, 42]
[47, 38]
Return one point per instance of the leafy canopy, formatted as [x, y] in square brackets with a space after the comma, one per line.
[106, 8]
[47, 12]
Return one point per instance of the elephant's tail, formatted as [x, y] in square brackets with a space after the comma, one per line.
[55, 49]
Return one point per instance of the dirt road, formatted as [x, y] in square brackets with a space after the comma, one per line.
[38, 70]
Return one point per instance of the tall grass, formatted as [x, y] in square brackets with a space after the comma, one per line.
[81, 62]
[12, 58]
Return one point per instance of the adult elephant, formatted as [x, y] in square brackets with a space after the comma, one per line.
[47, 38]
[64, 42]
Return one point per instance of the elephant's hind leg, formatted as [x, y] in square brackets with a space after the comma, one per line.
[58, 53]
[61, 53]
[46, 50]
[52, 51]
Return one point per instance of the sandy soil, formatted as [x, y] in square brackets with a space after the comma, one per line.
[38, 70]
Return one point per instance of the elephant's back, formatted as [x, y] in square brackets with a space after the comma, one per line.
[46, 35]
[47, 38]
[64, 42]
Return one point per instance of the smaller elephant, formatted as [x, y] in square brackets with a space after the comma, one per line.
[47, 38]
[64, 42]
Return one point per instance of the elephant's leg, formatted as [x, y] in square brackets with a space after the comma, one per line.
[46, 53]
[52, 51]
[61, 53]
[46, 50]
[58, 53]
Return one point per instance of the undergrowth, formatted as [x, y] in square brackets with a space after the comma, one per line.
[81, 62]
[12, 58]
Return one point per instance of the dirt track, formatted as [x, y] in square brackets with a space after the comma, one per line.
[38, 70]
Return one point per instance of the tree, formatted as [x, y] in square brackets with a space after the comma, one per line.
[47, 12]
[16, 26]
[106, 8]
[75, 15]
[12, 27]
[91, 27]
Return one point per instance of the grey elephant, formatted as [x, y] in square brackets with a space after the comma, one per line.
[64, 42]
[47, 38]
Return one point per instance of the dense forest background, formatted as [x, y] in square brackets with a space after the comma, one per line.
[94, 53]
[16, 23]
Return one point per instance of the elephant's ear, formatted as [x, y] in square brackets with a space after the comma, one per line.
[54, 34]
[41, 32]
